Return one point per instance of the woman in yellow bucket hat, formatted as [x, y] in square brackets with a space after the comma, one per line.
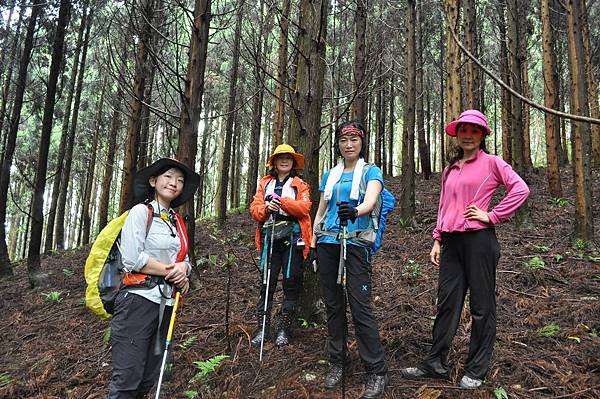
[281, 206]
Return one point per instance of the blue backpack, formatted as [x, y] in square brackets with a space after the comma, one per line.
[384, 205]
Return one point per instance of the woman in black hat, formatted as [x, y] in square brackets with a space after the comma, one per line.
[153, 247]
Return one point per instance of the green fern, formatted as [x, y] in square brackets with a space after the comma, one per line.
[185, 345]
[207, 367]
[549, 330]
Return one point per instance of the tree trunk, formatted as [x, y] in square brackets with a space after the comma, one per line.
[305, 125]
[36, 276]
[48, 243]
[505, 75]
[8, 80]
[515, 37]
[424, 156]
[407, 197]
[550, 101]
[592, 84]
[453, 69]
[584, 226]
[523, 55]
[66, 175]
[359, 105]
[391, 128]
[192, 104]
[109, 164]
[257, 110]
[472, 76]
[379, 122]
[134, 121]
[9, 150]
[280, 90]
[87, 197]
[233, 76]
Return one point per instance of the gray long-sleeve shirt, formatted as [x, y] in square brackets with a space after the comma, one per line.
[160, 244]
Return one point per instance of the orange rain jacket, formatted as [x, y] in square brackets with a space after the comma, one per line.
[298, 208]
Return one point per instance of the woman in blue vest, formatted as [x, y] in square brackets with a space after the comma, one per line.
[340, 204]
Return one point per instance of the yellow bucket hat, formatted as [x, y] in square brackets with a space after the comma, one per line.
[287, 149]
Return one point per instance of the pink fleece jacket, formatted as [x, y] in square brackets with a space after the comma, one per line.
[475, 183]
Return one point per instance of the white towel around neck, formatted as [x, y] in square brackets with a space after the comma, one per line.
[335, 175]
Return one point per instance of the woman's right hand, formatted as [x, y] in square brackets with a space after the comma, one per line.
[274, 205]
[434, 255]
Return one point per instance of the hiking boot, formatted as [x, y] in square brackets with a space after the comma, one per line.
[470, 383]
[258, 334]
[334, 377]
[284, 332]
[375, 386]
[416, 372]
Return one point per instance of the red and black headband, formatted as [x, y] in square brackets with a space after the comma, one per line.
[352, 131]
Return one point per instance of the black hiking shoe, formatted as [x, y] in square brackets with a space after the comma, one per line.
[258, 334]
[375, 386]
[284, 333]
[334, 377]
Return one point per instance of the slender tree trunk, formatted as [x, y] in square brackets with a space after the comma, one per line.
[48, 243]
[514, 42]
[550, 101]
[472, 77]
[391, 128]
[407, 197]
[282, 55]
[379, 117]
[9, 150]
[584, 222]
[8, 80]
[233, 76]
[68, 160]
[592, 84]
[144, 156]
[36, 277]
[524, 10]
[505, 96]
[134, 122]
[359, 111]
[109, 164]
[257, 109]
[305, 125]
[424, 156]
[192, 104]
[453, 68]
[87, 197]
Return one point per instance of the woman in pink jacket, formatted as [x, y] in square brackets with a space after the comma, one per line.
[466, 249]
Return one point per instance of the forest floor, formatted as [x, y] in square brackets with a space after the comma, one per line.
[548, 342]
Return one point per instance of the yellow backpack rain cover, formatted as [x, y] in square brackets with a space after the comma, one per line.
[95, 262]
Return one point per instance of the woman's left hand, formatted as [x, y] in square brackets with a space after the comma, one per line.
[474, 213]
[177, 273]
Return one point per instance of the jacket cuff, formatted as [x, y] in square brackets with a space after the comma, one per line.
[493, 218]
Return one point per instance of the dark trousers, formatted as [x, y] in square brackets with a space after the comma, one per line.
[358, 287]
[468, 261]
[135, 364]
[291, 269]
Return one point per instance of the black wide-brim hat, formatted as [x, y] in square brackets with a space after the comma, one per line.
[142, 188]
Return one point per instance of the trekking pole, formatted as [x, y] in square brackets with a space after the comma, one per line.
[266, 283]
[167, 343]
[342, 281]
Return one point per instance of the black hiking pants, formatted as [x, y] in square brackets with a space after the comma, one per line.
[468, 261]
[287, 259]
[135, 365]
[358, 286]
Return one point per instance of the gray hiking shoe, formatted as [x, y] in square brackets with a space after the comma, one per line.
[470, 383]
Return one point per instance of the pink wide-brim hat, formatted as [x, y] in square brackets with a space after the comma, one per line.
[469, 116]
